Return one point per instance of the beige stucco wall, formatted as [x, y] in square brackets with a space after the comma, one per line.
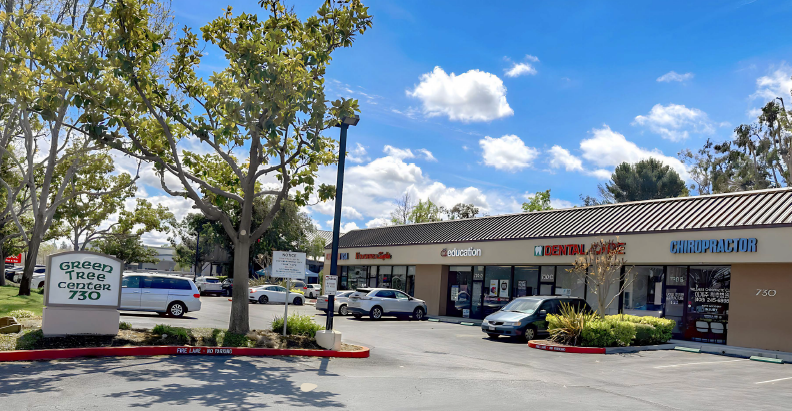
[431, 282]
[772, 247]
[759, 321]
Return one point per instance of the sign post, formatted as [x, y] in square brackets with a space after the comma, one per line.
[288, 265]
[331, 285]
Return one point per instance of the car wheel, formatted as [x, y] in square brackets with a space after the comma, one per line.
[376, 313]
[297, 301]
[418, 314]
[263, 299]
[357, 316]
[177, 309]
[343, 310]
[493, 336]
[41, 284]
[530, 333]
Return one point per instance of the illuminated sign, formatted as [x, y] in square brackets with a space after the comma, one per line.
[379, 256]
[723, 245]
[566, 249]
[463, 252]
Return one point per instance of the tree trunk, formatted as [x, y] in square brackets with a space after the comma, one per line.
[2, 258]
[239, 323]
[30, 264]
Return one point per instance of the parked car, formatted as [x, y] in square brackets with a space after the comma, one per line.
[39, 269]
[11, 272]
[379, 302]
[275, 294]
[525, 317]
[209, 285]
[163, 294]
[312, 290]
[340, 303]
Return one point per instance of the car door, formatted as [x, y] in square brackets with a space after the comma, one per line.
[130, 292]
[387, 300]
[276, 293]
[179, 289]
[403, 302]
[550, 307]
[154, 294]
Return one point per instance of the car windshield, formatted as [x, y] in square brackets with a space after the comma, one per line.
[522, 305]
[212, 280]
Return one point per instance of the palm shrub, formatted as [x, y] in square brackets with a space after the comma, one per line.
[566, 328]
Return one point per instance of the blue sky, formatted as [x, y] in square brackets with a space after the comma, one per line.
[488, 102]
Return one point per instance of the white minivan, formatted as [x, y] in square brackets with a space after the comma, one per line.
[164, 294]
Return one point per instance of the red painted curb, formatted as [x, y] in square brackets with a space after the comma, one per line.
[33, 355]
[563, 348]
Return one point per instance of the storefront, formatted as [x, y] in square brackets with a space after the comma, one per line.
[709, 262]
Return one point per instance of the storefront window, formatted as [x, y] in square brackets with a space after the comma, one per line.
[708, 304]
[411, 280]
[399, 278]
[498, 294]
[459, 282]
[372, 277]
[384, 277]
[547, 278]
[343, 276]
[569, 284]
[675, 296]
[644, 296]
[357, 276]
[526, 281]
[610, 298]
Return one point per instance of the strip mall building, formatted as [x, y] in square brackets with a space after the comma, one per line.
[719, 265]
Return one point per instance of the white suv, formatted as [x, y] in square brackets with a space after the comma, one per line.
[379, 302]
[312, 290]
[164, 294]
[207, 285]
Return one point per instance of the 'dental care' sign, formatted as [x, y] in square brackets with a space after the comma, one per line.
[83, 279]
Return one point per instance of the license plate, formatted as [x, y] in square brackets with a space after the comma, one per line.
[492, 328]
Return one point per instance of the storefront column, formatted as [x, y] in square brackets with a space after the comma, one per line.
[760, 301]
[431, 283]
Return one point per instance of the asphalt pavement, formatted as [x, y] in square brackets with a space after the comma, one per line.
[413, 366]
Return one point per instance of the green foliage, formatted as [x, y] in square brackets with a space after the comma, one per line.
[644, 334]
[22, 314]
[234, 340]
[130, 250]
[597, 334]
[316, 247]
[11, 301]
[425, 212]
[298, 324]
[662, 327]
[462, 210]
[123, 325]
[171, 334]
[566, 328]
[645, 180]
[29, 339]
[623, 331]
[539, 202]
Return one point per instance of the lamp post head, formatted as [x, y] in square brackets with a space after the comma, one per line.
[349, 120]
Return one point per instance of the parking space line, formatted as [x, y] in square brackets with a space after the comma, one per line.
[696, 363]
[779, 379]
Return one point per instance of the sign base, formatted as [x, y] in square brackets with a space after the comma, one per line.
[61, 321]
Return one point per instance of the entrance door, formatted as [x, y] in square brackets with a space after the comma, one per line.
[459, 291]
[547, 280]
[477, 294]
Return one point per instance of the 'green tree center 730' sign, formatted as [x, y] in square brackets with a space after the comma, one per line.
[83, 279]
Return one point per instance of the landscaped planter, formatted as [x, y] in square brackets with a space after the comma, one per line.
[52, 354]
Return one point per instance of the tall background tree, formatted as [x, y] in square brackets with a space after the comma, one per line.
[425, 212]
[538, 202]
[402, 210]
[462, 210]
[645, 180]
[263, 116]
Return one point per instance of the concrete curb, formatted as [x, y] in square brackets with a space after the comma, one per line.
[564, 348]
[732, 351]
[34, 355]
[638, 348]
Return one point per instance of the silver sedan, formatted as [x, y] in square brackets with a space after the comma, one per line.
[340, 304]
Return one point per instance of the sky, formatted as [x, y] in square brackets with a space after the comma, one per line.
[488, 103]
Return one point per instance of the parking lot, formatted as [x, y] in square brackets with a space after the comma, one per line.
[413, 365]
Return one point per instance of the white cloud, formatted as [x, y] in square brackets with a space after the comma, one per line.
[674, 76]
[601, 174]
[754, 113]
[532, 58]
[776, 84]
[344, 227]
[607, 148]
[427, 154]
[519, 69]
[507, 153]
[358, 154]
[471, 96]
[398, 152]
[377, 222]
[561, 157]
[675, 122]
[558, 203]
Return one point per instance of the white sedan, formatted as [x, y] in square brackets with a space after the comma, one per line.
[274, 294]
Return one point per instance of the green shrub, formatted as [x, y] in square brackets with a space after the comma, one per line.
[123, 325]
[298, 324]
[566, 327]
[235, 340]
[663, 327]
[39, 291]
[171, 334]
[597, 334]
[222, 278]
[644, 334]
[623, 331]
[22, 314]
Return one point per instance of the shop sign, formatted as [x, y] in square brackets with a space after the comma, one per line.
[379, 256]
[723, 245]
[504, 288]
[343, 256]
[83, 279]
[14, 259]
[461, 252]
[493, 290]
[563, 249]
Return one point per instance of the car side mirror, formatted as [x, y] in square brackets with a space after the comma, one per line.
[542, 312]
[410, 298]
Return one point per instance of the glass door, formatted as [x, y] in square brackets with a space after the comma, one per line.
[676, 297]
[707, 314]
[547, 280]
[477, 293]
[459, 289]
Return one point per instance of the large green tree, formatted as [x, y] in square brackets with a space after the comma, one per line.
[462, 210]
[425, 212]
[645, 180]
[538, 202]
[264, 115]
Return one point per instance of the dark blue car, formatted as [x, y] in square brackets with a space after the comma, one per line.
[524, 318]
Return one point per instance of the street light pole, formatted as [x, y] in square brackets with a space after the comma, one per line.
[197, 248]
[344, 124]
